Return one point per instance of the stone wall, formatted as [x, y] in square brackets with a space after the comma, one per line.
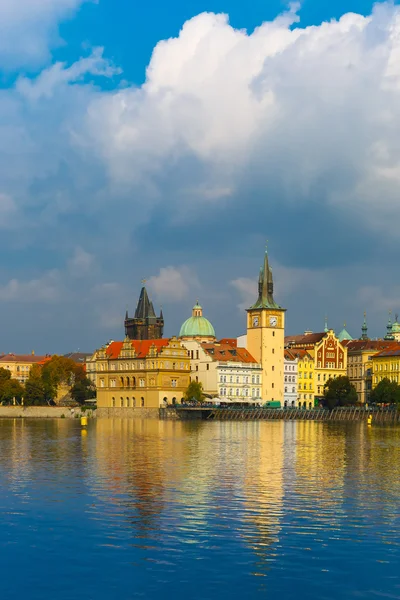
[44, 412]
[128, 413]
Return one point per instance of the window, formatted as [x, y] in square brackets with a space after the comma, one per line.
[273, 385]
[273, 368]
[293, 390]
[121, 403]
[237, 391]
[197, 367]
[113, 402]
[273, 350]
[237, 379]
[174, 382]
[142, 401]
[285, 390]
[141, 382]
[101, 382]
[273, 334]
[127, 402]
[208, 367]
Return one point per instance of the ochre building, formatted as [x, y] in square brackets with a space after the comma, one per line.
[266, 334]
[328, 361]
[20, 365]
[140, 374]
[386, 365]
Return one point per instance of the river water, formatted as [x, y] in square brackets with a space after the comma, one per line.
[152, 509]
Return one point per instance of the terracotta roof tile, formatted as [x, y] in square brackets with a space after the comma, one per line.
[28, 358]
[378, 345]
[227, 353]
[393, 351]
[141, 347]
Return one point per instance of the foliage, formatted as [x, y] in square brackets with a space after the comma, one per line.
[194, 392]
[5, 375]
[43, 382]
[10, 389]
[386, 392]
[34, 388]
[339, 392]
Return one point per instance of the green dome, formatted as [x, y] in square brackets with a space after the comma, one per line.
[396, 327]
[197, 325]
[344, 335]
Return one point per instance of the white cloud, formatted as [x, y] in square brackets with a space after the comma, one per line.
[28, 27]
[303, 113]
[45, 288]
[81, 263]
[173, 283]
[58, 75]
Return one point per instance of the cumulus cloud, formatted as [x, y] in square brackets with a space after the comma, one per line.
[298, 115]
[81, 263]
[28, 27]
[42, 289]
[173, 283]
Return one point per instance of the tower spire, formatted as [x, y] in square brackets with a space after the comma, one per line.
[326, 329]
[364, 328]
[266, 286]
[389, 334]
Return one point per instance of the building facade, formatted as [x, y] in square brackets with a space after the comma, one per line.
[225, 371]
[360, 355]
[140, 373]
[328, 357]
[266, 334]
[145, 325]
[20, 365]
[290, 370]
[386, 364]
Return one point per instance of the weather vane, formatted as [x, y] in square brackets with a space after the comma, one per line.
[144, 281]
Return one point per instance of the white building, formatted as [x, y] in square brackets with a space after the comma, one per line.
[290, 378]
[224, 370]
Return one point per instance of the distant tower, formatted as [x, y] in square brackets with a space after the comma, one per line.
[326, 325]
[266, 335]
[364, 328]
[389, 334]
[145, 325]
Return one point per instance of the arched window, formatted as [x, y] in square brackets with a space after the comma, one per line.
[121, 401]
[133, 402]
[142, 401]
[113, 402]
[127, 402]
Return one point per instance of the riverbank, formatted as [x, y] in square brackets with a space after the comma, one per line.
[44, 412]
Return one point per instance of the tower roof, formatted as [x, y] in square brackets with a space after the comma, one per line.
[266, 287]
[344, 335]
[145, 307]
[197, 325]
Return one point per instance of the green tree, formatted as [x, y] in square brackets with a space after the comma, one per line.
[386, 392]
[58, 370]
[83, 389]
[34, 388]
[339, 392]
[10, 389]
[194, 391]
[5, 375]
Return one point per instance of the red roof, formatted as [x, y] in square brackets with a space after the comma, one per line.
[230, 341]
[141, 347]
[393, 351]
[377, 345]
[225, 352]
[304, 340]
[28, 358]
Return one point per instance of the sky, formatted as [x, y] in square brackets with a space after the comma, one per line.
[170, 141]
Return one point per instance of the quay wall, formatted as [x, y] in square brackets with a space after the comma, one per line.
[128, 413]
[44, 412]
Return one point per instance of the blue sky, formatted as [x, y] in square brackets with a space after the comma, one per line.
[288, 132]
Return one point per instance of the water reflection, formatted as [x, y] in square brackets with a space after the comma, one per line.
[194, 507]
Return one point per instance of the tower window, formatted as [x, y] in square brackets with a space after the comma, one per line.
[273, 333]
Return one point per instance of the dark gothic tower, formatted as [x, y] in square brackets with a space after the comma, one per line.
[145, 325]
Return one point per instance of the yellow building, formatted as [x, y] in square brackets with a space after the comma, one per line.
[328, 357]
[20, 365]
[305, 378]
[266, 334]
[139, 374]
[360, 355]
[386, 364]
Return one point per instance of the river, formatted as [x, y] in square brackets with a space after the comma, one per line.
[150, 509]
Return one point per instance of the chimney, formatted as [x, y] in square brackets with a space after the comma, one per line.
[308, 332]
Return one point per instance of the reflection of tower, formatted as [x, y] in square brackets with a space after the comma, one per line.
[144, 325]
[266, 334]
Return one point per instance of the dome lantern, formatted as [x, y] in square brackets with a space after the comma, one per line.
[197, 326]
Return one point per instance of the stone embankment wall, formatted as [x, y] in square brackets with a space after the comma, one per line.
[44, 412]
[128, 413]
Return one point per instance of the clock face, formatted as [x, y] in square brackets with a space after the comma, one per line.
[273, 321]
[255, 322]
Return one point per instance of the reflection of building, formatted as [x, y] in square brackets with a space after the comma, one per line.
[19, 365]
[145, 325]
[225, 370]
[140, 374]
[290, 373]
[197, 327]
[265, 335]
[329, 358]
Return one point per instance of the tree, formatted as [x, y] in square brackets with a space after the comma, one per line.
[5, 375]
[386, 392]
[10, 389]
[83, 389]
[339, 392]
[58, 370]
[34, 388]
[194, 391]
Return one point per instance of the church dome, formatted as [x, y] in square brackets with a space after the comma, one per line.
[197, 326]
[396, 326]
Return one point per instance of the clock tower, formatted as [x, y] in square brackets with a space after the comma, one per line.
[266, 335]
